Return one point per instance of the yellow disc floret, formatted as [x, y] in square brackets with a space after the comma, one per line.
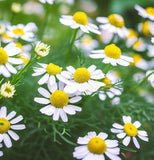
[145, 28]
[19, 45]
[18, 31]
[107, 82]
[130, 129]
[5, 36]
[81, 75]
[53, 69]
[112, 51]
[116, 20]
[24, 58]
[3, 56]
[150, 10]
[137, 58]
[97, 145]
[59, 99]
[4, 125]
[81, 18]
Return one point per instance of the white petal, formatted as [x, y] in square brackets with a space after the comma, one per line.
[41, 100]
[17, 119]
[69, 110]
[11, 68]
[63, 115]
[142, 133]
[136, 142]
[3, 112]
[137, 124]
[4, 71]
[44, 92]
[91, 68]
[121, 135]
[126, 141]
[47, 110]
[111, 143]
[10, 115]
[102, 19]
[75, 99]
[44, 79]
[71, 69]
[83, 140]
[116, 125]
[115, 150]
[103, 135]
[52, 80]
[52, 88]
[15, 60]
[7, 141]
[143, 138]
[96, 56]
[1, 153]
[116, 130]
[13, 135]
[112, 156]
[56, 114]
[18, 127]
[122, 62]
[102, 96]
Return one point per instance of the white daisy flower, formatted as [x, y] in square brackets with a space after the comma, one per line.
[146, 27]
[113, 23]
[23, 32]
[47, 1]
[96, 147]
[7, 125]
[129, 131]
[139, 45]
[105, 36]
[1, 153]
[131, 38]
[6, 38]
[145, 13]
[7, 90]
[58, 102]
[6, 60]
[151, 77]
[49, 72]
[111, 54]
[81, 79]
[79, 20]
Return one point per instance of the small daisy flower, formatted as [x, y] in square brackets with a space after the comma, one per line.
[6, 38]
[7, 90]
[7, 125]
[113, 23]
[79, 20]
[23, 32]
[139, 45]
[81, 79]
[151, 77]
[59, 103]
[42, 49]
[1, 153]
[145, 13]
[131, 38]
[96, 147]
[49, 72]
[47, 1]
[6, 60]
[146, 27]
[129, 131]
[111, 54]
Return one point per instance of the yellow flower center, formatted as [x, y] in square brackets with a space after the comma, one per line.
[19, 45]
[81, 18]
[4, 125]
[107, 82]
[86, 40]
[81, 75]
[116, 20]
[137, 58]
[18, 31]
[59, 99]
[112, 51]
[145, 28]
[130, 129]
[97, 145]
[150, 10]
[3, 56]
[24, 58]
[131, 34]
[5, 36]
[8, 90]
[53, 69]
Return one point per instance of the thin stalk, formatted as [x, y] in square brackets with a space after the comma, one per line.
[108, 68]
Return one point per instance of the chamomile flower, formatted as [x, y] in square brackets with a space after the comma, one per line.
[113, 23]
[58, 102]
[81, 79]
[145, 13]
[42, 49]
[6, 60]
[111, 54]
[6, 38]
[23, 32]
[47, 1]
[139, 45]
[7, 125]
[7, 90]
[1, 153]
[151, 77]
[96, 147]
[131, 38]
[129, 131]
[105, 36]
[79, 20]
[49, 72]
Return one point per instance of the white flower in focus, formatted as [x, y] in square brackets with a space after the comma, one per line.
[7, 90]
[113, 23]
[49, 72]
[130, 131]
[6, 59]
[81, 79]
[23, 32]
[7, 125]
[1, 153]
[42, 49]
[145, 13]
[47, 1]
[151, 77]
[58, 102]
[96, 147]
[79, 20]
[111, 54]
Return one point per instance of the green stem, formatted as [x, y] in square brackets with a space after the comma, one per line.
[108, 68]
[15, 79]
